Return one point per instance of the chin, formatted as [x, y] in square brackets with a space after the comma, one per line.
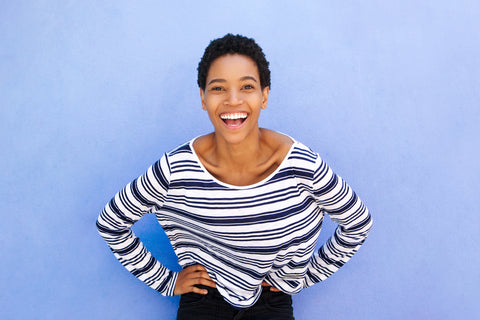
[234, 138]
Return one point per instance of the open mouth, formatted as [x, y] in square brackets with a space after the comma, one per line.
[234, 119]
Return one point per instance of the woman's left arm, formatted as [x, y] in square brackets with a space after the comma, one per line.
[345, 208]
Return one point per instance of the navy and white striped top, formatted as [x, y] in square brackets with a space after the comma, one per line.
[242, 235]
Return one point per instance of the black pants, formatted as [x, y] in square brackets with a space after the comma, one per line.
[270, 306]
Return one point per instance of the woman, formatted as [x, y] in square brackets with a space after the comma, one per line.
[242, 206]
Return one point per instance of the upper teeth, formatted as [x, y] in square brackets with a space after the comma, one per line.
[233, 116]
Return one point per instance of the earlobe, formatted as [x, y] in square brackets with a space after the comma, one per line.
[202, 98]
[265, 92]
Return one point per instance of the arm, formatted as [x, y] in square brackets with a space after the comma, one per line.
[346, 209]
[144, 195]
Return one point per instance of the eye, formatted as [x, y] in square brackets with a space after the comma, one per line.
[216, 89]
[248, 87]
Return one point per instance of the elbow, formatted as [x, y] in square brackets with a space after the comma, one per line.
[366, 224]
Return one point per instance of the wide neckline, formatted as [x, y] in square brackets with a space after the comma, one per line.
[232, 186]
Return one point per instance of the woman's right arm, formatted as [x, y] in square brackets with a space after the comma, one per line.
[143, 195]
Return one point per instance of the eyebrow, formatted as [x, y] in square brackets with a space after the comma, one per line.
[223, 80]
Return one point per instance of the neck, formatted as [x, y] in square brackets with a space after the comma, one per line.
[238, 155]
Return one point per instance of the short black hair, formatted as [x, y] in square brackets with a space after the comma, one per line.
[231, 44]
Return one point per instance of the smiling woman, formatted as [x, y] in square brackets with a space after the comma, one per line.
[235, 96]
[242, 206]
[238, 152]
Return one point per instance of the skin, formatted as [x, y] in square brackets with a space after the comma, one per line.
[235, 154]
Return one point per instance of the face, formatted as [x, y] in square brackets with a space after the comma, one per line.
[233, 97]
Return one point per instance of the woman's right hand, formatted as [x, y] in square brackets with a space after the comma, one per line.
[191, 276]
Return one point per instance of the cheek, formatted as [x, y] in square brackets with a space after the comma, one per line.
[211, 114]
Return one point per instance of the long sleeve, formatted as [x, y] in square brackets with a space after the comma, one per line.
[345, 208]
[144, 195]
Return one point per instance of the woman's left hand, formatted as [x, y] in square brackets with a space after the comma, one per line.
[273, 289]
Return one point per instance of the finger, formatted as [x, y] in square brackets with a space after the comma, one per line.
[204, 275]
[202, 278]
[199, 291]
[207, 282]
[191, 276]
[273, 289]
[197, 271]
[192, 269]
[198, 278]
[197, 268]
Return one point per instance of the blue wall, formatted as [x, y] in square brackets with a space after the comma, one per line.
[93, 92]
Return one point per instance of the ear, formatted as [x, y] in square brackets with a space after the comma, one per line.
[265, 92]
[202, 98]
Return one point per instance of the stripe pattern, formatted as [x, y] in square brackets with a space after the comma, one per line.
[241, 235]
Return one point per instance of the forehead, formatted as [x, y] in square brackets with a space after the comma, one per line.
[233, 65]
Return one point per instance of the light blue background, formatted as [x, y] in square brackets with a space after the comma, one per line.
[93, 92]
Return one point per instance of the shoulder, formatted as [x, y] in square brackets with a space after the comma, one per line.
[180, 155]
[202, 143]
[276, 138]
[182, 148]
[277, 142]
[280, 141]
[301, 151]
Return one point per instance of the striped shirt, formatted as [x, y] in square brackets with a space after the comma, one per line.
[242, 235]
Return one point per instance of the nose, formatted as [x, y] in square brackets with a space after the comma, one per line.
[234, 98]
